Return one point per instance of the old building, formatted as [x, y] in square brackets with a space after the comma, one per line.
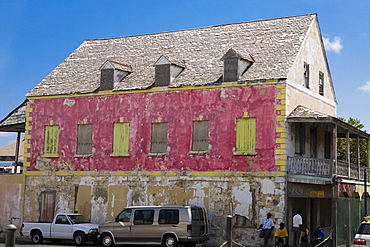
[237, 118]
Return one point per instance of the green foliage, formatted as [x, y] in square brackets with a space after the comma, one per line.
[341, 144]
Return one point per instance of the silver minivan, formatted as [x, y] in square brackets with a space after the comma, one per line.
[162, 225]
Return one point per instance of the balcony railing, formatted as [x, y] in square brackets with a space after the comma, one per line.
[310, 166]
[324, 168]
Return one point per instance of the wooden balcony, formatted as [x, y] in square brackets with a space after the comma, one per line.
[310, 167]
[324, 168]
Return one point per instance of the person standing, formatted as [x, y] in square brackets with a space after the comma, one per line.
[297, 224]
[267, 225]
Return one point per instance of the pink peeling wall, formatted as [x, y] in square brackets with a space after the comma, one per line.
[220, 106]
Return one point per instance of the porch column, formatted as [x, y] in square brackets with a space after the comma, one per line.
[334, 149]
[17, 152]
[358, 156]
[348, 154]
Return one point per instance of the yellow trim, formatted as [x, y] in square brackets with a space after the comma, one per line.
[280, 162]
[159, 89]
[153, 173]
[245, 114]
[121, 119]
[281, 151]
[280, 130]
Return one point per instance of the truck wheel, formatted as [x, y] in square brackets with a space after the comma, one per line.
[107, 240]
[79, 238]
[170, 241]
[36, 237]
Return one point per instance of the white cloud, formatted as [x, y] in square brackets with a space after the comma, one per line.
[366, 87]
[335, 45]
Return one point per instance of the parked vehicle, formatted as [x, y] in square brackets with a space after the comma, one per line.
[64, 227]
[166, 225]
[362, 237]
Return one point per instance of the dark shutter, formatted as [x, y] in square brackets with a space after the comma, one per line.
[84, 145]
[200, 136]
[231, 69]
[106, 79]
[162, 75]
[159, 138]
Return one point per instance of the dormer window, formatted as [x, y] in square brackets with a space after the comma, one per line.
[166, 71]
[112, 72]
[235, 65]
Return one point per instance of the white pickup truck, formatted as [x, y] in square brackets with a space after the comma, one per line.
[64, 227]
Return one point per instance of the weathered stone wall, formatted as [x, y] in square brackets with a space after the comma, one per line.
[11, 202]
[100, 196]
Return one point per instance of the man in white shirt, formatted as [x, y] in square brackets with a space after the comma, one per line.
[297, 224]
[267, 225]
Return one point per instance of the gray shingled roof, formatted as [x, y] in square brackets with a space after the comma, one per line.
[273, 44]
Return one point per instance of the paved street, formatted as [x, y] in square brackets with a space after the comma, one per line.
[24, 241]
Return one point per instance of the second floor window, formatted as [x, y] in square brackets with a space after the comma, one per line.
[51, 139]
[121, 139]
[245, 136]
[159, 138]
[84, 139]
[200, 136]
[300, 136]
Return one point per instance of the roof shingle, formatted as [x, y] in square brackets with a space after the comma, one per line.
[273, 44]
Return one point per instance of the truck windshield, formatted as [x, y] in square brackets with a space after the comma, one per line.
[77, 219]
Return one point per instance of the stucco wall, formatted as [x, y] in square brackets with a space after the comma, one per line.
[312, 52]
[11, 203]
[101, 196]
[221, 106]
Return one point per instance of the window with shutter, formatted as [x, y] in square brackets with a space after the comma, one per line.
[159, 139]
[51, 139]
[84, 139]
[245, 136]
[121, 139]
[200, 136]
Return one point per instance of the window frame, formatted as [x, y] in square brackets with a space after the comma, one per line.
[321, 83]
[121, 139]
[300, 137]
[51, 136]
[245, 136]
[306, 75]
[200, 140]
[159, 139]
[84, 140]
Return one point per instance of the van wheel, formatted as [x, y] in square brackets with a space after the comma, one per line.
[79, 238]
[170, 241]
[36, 237]
[106, 240]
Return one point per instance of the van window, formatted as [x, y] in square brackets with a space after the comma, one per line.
[364, 229]
[143, 217]
[168, 216]
[124, 216]
[195, 214]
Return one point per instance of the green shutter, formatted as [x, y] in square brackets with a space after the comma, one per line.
[246, 135]
[51, 140]
[121, 138]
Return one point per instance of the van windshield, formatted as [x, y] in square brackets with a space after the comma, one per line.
[364, 229]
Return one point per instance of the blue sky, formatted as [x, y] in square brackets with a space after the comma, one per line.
[37, 35]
